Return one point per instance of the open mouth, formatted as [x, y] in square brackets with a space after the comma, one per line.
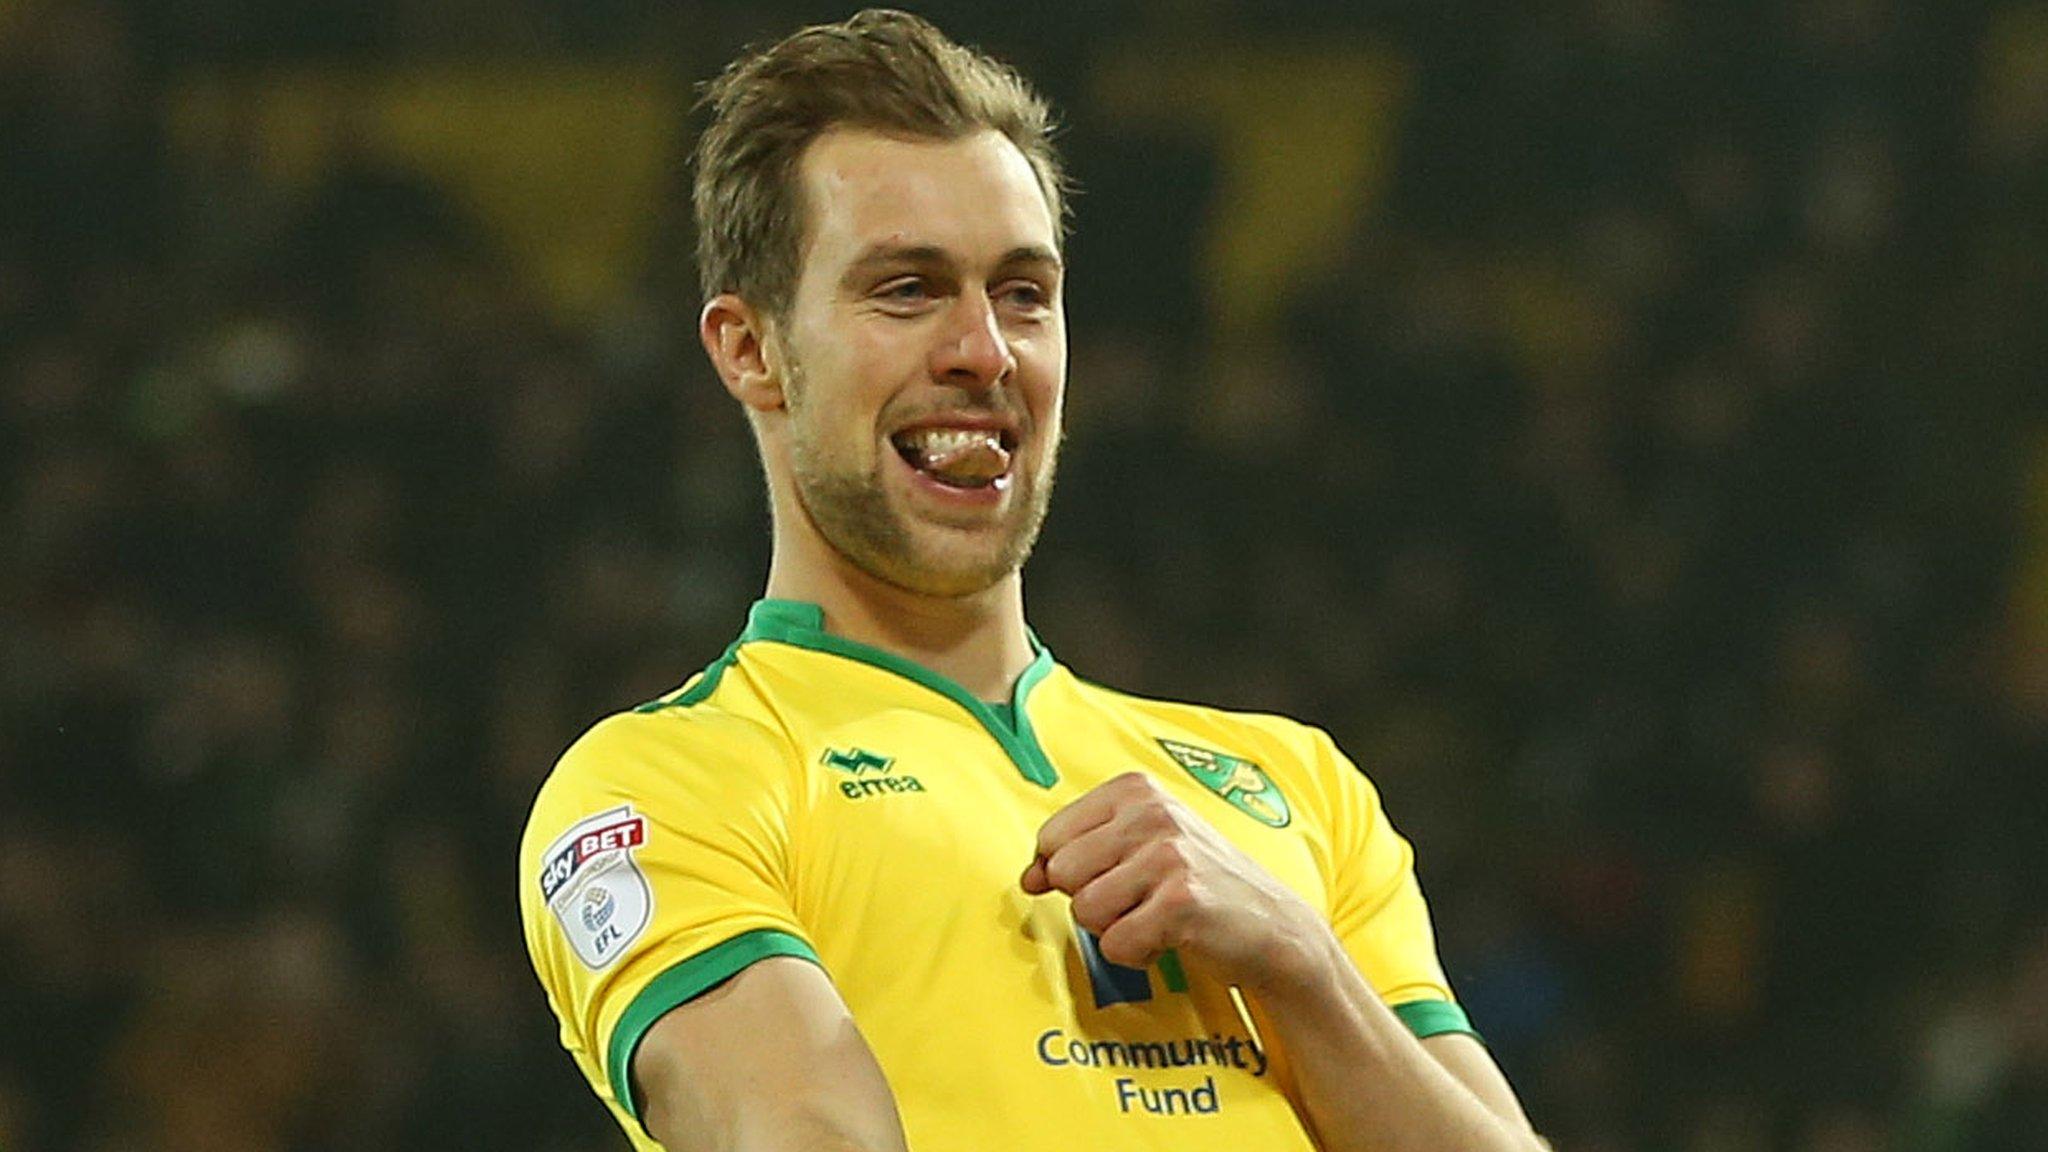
[964, 458]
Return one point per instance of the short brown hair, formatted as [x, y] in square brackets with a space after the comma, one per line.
[882, 70]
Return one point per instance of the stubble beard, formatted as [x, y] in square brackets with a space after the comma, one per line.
[852, 511]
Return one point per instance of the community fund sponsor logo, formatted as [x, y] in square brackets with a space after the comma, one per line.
[595, 889]
[867, 775]
[1113, 983]
[1243, 784]
[1125, 1061]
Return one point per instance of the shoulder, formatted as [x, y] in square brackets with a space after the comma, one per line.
[671, 758]
[1281, 738]
[1280, 744]
[648, 745]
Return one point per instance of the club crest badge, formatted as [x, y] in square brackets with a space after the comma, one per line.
[595, 889]
[1241, 783]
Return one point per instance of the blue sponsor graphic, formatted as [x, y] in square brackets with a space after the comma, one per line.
[1112, 983]
[1115, 984]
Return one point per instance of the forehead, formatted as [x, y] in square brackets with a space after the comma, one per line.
[973, 197]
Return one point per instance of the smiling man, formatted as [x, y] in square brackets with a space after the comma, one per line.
[886, 874]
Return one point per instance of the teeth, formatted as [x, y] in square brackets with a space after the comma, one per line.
[935, 442]
[964, 457]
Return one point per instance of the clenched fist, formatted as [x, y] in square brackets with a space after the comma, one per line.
[1147, 874]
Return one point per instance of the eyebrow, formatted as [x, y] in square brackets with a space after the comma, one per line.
[927, 255]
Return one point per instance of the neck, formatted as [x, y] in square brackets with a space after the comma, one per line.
[977, 641]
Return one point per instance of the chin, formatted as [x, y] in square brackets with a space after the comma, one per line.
[902, 542]
[945, 572]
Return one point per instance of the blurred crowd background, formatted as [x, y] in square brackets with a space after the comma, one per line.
[1622, 423]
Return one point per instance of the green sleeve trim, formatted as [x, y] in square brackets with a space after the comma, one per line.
[1433, 1018]
[683, 983]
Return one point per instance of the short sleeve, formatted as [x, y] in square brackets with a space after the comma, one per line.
[1376, 905]
[655, 866]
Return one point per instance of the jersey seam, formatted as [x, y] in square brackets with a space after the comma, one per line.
[705, 686]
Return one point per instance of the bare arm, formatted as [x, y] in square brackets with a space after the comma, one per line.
[1148, 874]
[766, 1062]
[1366, 1081]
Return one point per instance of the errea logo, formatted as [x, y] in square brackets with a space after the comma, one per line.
[857, 761]
[868, 774]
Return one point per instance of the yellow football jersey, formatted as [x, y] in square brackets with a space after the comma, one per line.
[814, 797]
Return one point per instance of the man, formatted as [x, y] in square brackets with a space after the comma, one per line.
[886, 875]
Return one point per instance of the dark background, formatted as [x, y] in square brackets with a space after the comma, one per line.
[1621, 424]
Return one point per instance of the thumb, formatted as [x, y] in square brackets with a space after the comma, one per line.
[1034, 880]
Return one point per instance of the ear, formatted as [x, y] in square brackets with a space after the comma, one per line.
[742, 349]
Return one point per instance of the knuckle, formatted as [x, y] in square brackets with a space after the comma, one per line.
[1126, 949]
[1048, 840]
[1154, 816]
[1170, 856]
[1177, 895]
[1137, 785]
[1090, 903]
[1061, 872]
[1089, 913]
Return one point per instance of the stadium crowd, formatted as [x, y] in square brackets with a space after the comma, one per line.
[1651, 493]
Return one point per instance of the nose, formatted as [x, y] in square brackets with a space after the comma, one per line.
[972, 351]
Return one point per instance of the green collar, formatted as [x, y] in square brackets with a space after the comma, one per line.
[802, 625]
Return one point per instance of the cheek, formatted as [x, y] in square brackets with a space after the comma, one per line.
[829, 430]
[1046, 393]
[828, 407]
[854, 370]
[1049, 353]
[1050, 413]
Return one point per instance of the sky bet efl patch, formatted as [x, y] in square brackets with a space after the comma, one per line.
[594, 888]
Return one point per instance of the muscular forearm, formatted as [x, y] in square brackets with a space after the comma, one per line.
[1147, 875]
[1365, 1081]
[769, 1061]
[777, 1129]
